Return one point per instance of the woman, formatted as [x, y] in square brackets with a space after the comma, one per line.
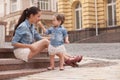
[26, 40]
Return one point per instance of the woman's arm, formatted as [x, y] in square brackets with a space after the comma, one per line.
[20, 45]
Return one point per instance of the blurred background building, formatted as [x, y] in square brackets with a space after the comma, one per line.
[82, 14]
[11, 10]
[84, 18]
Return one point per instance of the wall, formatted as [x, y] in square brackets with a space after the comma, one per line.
[88, 13]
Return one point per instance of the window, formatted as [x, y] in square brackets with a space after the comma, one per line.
[78, 16]
[32, 2]
[13, 5]
[44, 4]
[111, 13]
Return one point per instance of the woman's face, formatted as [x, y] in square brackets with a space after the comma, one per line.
[35, 18]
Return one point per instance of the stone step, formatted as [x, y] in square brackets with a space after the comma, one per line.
[113, 37]
[8, 53]
[11, 67]
[11, 74]
[16, 64]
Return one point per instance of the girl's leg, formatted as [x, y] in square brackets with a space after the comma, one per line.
[52, 65]
[39, 46]
[61, 57]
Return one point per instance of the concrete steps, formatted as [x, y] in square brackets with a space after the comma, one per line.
[9, 75]
[15, 64]
[8, 53]
[12, 67]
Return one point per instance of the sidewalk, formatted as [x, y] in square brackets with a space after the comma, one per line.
[89, 69]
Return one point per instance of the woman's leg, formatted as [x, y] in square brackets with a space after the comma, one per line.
[39, 46]
[67, 56]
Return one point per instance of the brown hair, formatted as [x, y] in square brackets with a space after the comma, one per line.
[60, 17]
[26, 14]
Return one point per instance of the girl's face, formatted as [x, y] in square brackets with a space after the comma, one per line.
[55, 22]
[35, 18]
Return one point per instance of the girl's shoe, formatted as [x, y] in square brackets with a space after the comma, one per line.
[61, 69]
[50, 68]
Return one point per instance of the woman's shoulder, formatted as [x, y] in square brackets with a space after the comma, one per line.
[22, 25]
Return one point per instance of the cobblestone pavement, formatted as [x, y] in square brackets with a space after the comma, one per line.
[101, 62]
[96, 50]
[89, 69]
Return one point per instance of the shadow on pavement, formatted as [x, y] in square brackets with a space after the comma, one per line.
[97, 63]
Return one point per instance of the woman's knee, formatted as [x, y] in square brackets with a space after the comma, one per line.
[46, 41]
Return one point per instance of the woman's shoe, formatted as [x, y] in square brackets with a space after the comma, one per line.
[69, 62]
[77, 59]
[80, 58]
[75, 65]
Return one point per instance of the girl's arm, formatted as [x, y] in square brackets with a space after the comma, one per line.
[66, 40]
[41, 26]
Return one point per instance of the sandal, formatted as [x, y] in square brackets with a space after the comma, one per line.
[50, 68]
[61, 69]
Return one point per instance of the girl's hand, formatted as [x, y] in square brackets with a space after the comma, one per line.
[40, 23]
[41, 26]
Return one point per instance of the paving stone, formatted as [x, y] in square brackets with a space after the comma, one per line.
[109, 72]
[101, 61]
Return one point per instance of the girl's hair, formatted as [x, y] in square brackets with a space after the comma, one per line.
[26, 14]
[60, 17]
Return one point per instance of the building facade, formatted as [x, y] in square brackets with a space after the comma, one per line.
[82, 14]
[12, 9]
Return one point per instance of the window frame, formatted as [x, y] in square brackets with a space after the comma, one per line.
[112, 4]
[44, 5]
[13, 5]
[79, 9]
